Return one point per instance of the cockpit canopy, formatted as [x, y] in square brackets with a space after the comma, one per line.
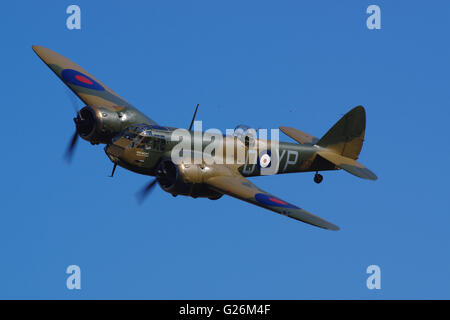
[133, 131]
[143, 136]
[246, 134]
[146, 129]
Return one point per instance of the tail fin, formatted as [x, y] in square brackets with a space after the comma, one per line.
[346, 137]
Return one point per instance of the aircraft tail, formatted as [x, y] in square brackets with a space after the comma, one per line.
[344, 141]
[346, 137]
[342, 144]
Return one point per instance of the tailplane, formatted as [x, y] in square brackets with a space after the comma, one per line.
[343, 143]
[349, 165]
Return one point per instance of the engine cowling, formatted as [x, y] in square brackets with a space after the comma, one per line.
[91, 121]
[100, 124]
[184, 179]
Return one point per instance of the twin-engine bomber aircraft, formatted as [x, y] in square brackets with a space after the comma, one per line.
[137, 143]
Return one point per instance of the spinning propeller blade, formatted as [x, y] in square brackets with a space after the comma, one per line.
[69, 152]
[73, 142]
[141, 195]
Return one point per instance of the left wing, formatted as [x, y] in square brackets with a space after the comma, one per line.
[237, 186]
[89, 89]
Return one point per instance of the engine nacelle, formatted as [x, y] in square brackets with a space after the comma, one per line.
[185, 179]
[101, 124]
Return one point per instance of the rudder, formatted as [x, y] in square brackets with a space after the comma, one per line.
[346, 137]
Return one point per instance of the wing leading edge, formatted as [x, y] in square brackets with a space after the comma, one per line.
[239, 187]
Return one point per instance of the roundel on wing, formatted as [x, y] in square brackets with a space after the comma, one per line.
[268, 200]
[77, 78]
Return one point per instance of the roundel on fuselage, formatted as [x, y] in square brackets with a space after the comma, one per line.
[264, 159]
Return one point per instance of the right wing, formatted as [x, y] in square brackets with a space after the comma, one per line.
[237, 186]
[90, 90]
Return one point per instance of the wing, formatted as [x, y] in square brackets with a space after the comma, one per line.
[239, 187]
[90, 90]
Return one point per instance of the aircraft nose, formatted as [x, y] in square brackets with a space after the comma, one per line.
[114, 151]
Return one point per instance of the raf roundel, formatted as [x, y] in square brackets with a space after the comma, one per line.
[77, 78]
[265, 199]
[264, 159]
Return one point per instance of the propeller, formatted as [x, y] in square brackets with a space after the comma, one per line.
[141, 195]
[73, 142]
[69, 152]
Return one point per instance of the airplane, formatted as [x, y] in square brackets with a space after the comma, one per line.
[139, 144]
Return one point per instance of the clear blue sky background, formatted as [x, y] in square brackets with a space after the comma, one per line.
[263, 63]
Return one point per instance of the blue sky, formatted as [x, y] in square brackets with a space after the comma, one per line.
[263, 63]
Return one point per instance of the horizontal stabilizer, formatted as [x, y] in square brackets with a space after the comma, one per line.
[349, 165]
[299, 136]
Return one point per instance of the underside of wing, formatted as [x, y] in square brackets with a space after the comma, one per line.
[239, 187]
[90, 90]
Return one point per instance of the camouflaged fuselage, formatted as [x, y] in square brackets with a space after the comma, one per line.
[142, 153]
